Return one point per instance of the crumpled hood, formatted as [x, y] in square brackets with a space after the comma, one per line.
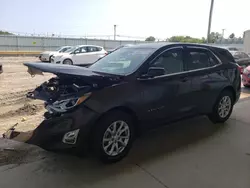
[58, 69]
[70, 80]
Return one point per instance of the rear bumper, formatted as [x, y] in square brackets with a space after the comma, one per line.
[43, 57]
[51, 133]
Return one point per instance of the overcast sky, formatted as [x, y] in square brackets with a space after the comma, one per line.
[160, 18]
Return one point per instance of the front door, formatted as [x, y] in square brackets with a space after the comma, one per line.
[80, 57]
[167, 97]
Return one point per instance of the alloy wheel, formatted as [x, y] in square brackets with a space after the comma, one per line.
[224, 106]
[116, 138]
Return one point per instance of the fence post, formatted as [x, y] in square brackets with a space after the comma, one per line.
[43, 43]
[104, 44]
[17, 48]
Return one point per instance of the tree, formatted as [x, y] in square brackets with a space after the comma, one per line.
[151, 38]
[232, 36]
[187, 39]
[214, 36]
[5, 33]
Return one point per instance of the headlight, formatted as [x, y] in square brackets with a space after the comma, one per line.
[67, 104]
[245, 71]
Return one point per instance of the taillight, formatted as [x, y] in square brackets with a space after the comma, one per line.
[240, 68]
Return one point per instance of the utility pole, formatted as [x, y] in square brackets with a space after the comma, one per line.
[222, 35]
[210, 20]
[223, 32]
[114, 32]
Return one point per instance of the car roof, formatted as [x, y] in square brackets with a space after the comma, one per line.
[158, 45]
[89, 45]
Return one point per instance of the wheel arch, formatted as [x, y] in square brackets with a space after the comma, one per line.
[67, 58]
[124, 109]
[231, 89]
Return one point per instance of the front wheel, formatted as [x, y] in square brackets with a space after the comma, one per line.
[113, 137]
[68, 62]
[222, 108]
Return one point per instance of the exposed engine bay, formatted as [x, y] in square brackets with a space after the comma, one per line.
[71, 86]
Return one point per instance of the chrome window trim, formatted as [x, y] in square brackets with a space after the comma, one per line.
[187, 71]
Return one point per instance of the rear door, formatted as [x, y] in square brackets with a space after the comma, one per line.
[93, 54]
[167, 96]
[204, 71]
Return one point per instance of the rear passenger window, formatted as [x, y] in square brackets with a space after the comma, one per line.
[92, 49]
[199, 59]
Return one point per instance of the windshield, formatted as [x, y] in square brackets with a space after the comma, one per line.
[64, 49]
[122, 61]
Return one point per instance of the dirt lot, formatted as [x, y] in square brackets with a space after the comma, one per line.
[15, 82]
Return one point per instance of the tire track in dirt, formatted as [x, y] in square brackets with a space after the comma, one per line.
[14, 98]
[26, 110]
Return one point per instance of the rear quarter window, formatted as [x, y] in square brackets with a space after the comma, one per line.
[224, 55]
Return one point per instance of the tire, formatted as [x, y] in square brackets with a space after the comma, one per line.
[247, 86]
[216, 116]
[103, 132]
[50, 58]
[67, 62]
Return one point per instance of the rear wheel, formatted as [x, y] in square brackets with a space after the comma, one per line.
[222, 108]
[113, 137]
[68, 62]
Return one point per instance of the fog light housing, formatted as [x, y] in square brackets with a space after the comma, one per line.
[70, 137]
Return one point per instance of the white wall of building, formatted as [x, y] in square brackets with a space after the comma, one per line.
[246, 41]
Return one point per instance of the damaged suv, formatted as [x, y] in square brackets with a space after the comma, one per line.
[102, 108]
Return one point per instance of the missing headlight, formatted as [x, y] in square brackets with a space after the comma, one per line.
[67, 104]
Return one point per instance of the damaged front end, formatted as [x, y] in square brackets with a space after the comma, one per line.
[62, 94]
[64, 97]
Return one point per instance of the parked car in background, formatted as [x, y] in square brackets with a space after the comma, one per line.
[82, 54]
[46, 56]
[246, 76]
[241, 58]
[105, 106]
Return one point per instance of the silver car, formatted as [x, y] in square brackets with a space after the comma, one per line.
[46, 56]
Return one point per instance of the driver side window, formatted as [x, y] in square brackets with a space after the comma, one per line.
[171, 60]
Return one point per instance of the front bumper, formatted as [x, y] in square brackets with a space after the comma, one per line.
[68, 131]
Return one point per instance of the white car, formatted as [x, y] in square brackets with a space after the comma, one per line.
[82, 54]
[46, 56]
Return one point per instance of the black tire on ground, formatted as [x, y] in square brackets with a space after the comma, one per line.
[97, 143]
[215, 116]
[68, 62]
[50, 58]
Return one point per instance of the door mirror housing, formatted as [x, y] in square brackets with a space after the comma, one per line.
[76, 51]
[155, 71]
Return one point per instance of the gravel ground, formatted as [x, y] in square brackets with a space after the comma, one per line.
[15, 82]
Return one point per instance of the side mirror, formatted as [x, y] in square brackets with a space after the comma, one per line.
[76, 51]
[155, 71]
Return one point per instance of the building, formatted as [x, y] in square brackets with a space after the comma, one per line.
[246, 41]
